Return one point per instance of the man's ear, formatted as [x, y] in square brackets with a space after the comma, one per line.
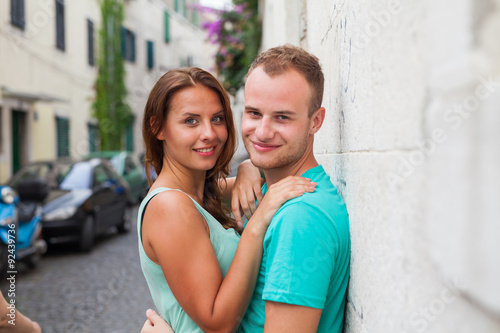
[153, 124]
[317, 119]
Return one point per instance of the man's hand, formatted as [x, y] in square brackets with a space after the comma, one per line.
[246, 190]
[155, 324]
[289, 318]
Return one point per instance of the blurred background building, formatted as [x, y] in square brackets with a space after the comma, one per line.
[48, 70]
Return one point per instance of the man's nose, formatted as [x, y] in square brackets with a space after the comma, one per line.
[264, 130]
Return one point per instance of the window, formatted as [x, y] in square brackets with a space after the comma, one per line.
[128, 45]
[60, 43]
[195, 18]
[150, 51]
[129, 136]
[17, 13]
[100, 175]
[167, 27]
[93, 136]
[180, 7]
[130, 166]
[90, 42]
[62, 125]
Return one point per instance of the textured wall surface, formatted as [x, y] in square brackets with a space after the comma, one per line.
[411, 140]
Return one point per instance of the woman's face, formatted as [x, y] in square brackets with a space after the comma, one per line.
[195, 131]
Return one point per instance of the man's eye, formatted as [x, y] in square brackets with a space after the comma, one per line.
[282, 118]
[254, 113]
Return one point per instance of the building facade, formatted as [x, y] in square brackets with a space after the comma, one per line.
[410, 139]
[48, 59]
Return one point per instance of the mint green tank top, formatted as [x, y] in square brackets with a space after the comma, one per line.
[224, 242]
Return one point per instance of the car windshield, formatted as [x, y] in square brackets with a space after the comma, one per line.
[115, 162]
[78, 177]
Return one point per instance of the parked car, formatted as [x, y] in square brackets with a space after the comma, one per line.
[85, 199]
[127, 166]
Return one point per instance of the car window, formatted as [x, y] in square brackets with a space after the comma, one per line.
[129, 164]
[100, 175]
[36, 171]
[78, 177]
[115, 162]
[112, 175]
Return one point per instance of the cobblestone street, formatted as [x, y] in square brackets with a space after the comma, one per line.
[103, 291]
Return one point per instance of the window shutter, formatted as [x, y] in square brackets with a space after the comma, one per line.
[123, 33]
[62, 137]
[167, 27]
[132, 44]
[90, 37]
[129, 136]
[17, 13]
[60, 40]
[150, 52]
[92, 138]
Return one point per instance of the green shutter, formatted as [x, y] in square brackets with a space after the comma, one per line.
[123, 34]
[195, 18]
[92, 138]
[16, 141]
[62, 137]
[129, 136]
[150, 52]
[177, 5]
[167, 27]
[132, 37]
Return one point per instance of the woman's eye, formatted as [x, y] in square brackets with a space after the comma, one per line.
[190, 121]
[218, 119]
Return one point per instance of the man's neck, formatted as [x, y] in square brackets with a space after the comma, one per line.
[297, 169]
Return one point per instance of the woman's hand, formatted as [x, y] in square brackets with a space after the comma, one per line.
[277, 194]
[155, 324]
[246, 191]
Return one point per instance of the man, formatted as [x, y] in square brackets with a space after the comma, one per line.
[305, 266]
[304, 271]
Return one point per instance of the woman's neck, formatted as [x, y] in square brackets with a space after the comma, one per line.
[189, 182]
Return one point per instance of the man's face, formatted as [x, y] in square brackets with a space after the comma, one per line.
[276, 129]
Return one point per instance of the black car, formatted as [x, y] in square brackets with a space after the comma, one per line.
[85, 199]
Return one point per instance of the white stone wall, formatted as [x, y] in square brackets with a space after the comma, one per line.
[411, 140]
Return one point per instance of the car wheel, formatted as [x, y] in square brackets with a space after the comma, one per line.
[88, 234]
[4, 255]
[126, 223]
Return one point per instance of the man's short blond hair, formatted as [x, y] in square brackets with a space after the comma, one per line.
[278, 60]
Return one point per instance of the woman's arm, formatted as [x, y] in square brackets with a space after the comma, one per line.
[181, 246]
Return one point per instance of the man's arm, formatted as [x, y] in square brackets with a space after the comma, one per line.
[289, 318]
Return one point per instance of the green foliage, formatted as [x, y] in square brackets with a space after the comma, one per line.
[110, 107]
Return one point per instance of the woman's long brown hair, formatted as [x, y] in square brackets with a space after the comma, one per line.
[155, 115]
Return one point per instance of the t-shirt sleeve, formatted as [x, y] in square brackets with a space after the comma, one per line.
[299, 254]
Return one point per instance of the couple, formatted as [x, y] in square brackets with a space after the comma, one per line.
[288, 271]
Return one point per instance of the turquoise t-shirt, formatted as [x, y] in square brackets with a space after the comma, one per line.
[224, 242]
[306, 257]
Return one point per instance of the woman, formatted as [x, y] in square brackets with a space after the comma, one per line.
[201, 274]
